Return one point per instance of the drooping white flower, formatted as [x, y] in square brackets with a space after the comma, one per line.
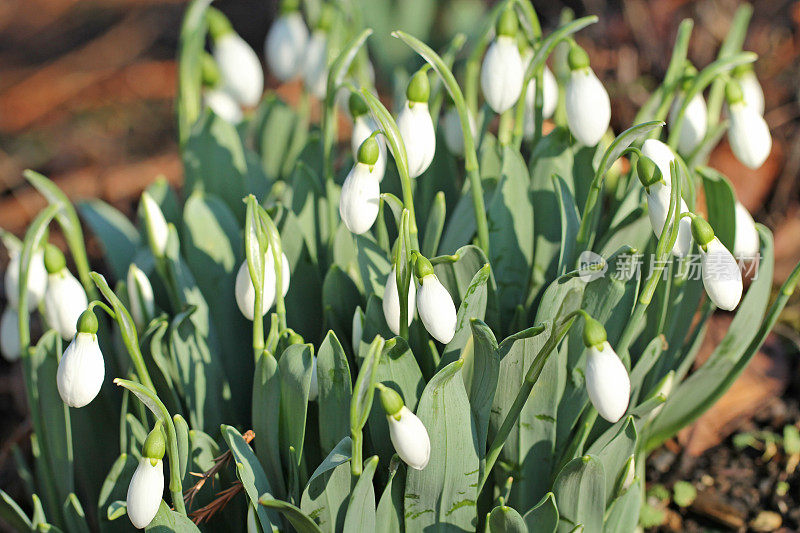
[313, 389]
[746, 243]
[315, 65]
[363, 127]
[749, 135]
[64, 301]
[140, 296]
[695, 122]
[391, 303]
[549, 101]
[502, 71]
[145, 491]
[81, 369]
[722, 277]
[453, 134]
[223, 105]
[246, 293]
[658, 196]
[662, 155]
[37, 279]
[155, 223]
[286, 44]
[434, 304]
[587, 103]
[607, 382]
[239, 67]
[415, 125]
[407, 432]
[9, 334]
[358, 327]
[360, 198]
[752, 92]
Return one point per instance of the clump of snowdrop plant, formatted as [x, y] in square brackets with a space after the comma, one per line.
[335, 333]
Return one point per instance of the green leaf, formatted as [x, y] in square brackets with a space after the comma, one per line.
[266, 410]
[118, 236]
[361, 508]
[473, 307]
[341, 296]
[721, 204]
[389, 515]
[182, 434]
[250, 473]
[325, 497]
[299, 520]
[373, 265]
[461, 226]
[310, 207]
[444, 492]
[115, 488]
[615, 455]
[168, 521]
[295, 374]
[272, 129]
[117, 509]
[457, 276]
[74, 517]
[570, 221]
[434, 224]
[623, 514]
[335, 392]
[580, 494]
[12, 514]
[480, 372]
[504, 519]
[543, 518]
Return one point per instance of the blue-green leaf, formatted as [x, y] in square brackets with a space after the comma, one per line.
[250, 473]
[580, 495]
[361, 508]
[118, 236]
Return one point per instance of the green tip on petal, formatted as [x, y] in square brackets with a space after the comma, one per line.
[289, 6]
[507, 24]
[369, 151]
[211, 75]
[594, 334]
[740, 70]
[155, 445]
[390, 400]
[54, 260]
[87, 322]
[702, 231]
[422, 267]
[419, 88]
[733, 92]
[218, 23]
[357, 105]
[578, 58]
[648, 171]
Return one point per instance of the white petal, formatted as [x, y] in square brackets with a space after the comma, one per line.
[363, 128]
[549, 101]
[607, 382]
[502, 74]
[315, 67]
[9, 334]
[416, 128]
[658, 207]
[749, 135]
[37, 280]
[410, 439]
[64, 301]
[746, 243]
[245, 292]
[358, 328]
[453, 134]
[662, 155]
[239, 69]
[722, 277]
[157, 229]
[436, 309]
[285, 45]
[81, 371]
[752, 92]
[223, 105]
[145, 492]
[140, 296]
[360, 199]
[588, 107]
[695, 123]
[391, 303]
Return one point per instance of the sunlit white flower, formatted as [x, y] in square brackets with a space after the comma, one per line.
[410, 438]
[549, 101]
[9, 334]
[658, 196]
[607, 382]
[64, 301]
[358, 327]
[695, 123]
[37, 279]
[751, 90]
[315, 65]
[363, 127]
[81, 370]
[156, 224]
[246, 293]
[145, 491]
[416, 129]
[662, 155]
[391, 303]
[436, 309]
[240, 68]
[749, 135]
[722, 277]
[746, 243]
[453, 134]
[223, 105]
[587, 103]
[285, 45]
[359, 200]
[140, 296]
[502, 74]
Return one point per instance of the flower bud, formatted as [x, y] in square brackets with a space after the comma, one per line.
[722, 277]
[746, 243]
[64, 299]
[407, 432]
[315, 66]
[416, 129]
[9, 334]
[245, 291]
[81, 369]
[607, 382]
[358, 328]
[239, 67]
[140, 296]
[156, 224]
[285, 45]
[628, 475]
[37, 279]
[145, 491]
[695, 123]
[752, 93]
[453, 134]
[587, 103]
[434, 304]
[748, 133]
[594, 334]
[502, 73]
[359, 200]
[662, 155]
[549, 101]
[223, 105]
[648, 172]
[363, 127]
[391, 303]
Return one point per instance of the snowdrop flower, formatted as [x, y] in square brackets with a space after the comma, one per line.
[363, 127]
[549, 101]
[9, 334]
[587, 103]
[722, 277]
[748, 133]
[358, 327]
[407, 432]
[313, 389]
[746, 243]
[37, 279]
[286, 42]
[246, 292]
[140, 296]
[658, 197]
[223, 105]
[315, 63]
[391, 303]
[81, 369]
[239, 67]
[434, 304]
[360, 197]
[416, 126]
[607, 381]
[64, 299]
[502, 71]
[752, 92]
[694, 125]
[453, 134]
[155, 223]
[628, 475]
[147, 482]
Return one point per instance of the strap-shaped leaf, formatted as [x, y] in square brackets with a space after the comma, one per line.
[580, 494]
[721, 203]
[504, 519]
[335, 392]
[299, 520]
[118, 235]
[325, 496]
[543, 517]
[12, 514]
[168, 520]
[361, 508]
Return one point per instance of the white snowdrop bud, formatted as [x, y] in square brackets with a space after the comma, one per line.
[245, 291]
[286, 44]
[64, 299]
[140, 296]
[315, 66]
[658, 196]
[752, 92]
[549, 101]
[748, 133]
[407, 432]
[156, 225]
[453, 134]
[9, 334]
[662, 155]
[363, 127]
[358, 327]
[313, 389]
[628, 474]
[81, 369]
[434, 303]
[587, 103]
[37, 279]
[746, 243]
[223, 105]
[147, 482]
[695, 122]
[391, 303]
[502, 72]
[722, 277]
[416, 126]
[239, 67]
[607, 382]
[359, 200]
